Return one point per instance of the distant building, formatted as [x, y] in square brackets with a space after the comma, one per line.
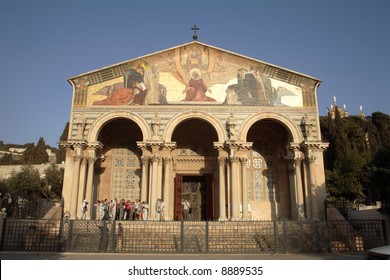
[17, 154]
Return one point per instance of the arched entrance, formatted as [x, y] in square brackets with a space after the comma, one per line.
[119, 170]
[267, 170]
[194, 167]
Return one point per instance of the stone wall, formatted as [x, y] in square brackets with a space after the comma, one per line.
[6, 170]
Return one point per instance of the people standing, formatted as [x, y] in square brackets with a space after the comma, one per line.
[145, 209]
[128, 208]
[113, 208]
[160, 207]
[185, 204]
[138, 209]
[121, 210]
[106, 209]
[132, 211]
[97, 210]
[84, 209]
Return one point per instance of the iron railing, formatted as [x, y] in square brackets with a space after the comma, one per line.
[189, 237]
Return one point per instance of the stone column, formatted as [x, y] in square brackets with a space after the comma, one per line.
[153, 191]
[68, 178]
[90, 188]
[75, 185]
[245, 214]
[312, 187]
[159, 176]
[235, 189]
[299, 189]
[229, 191]
[82, 184]
[306, 187]
[167, 171]
[222, 192]
[145, 178]
[293, 188]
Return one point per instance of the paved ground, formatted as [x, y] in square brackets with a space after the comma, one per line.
[5, 255]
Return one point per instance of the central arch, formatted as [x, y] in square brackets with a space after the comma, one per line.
[213, 121]
[194, 168]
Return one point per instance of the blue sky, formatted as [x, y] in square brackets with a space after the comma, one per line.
[344, 43]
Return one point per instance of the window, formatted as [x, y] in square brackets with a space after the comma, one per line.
[126, 173]
[260, 173]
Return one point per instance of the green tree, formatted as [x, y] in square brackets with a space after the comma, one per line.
[53, 180]
[27, 182]
[379, 131]
[3, 186]
[35, 154]
[40, 152]
[61, 152]
[346, 156]
[6, 159]
[380, 176]
[28, 154]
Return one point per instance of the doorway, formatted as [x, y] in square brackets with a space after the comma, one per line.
[197, 189]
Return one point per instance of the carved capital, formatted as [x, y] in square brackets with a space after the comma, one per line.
[145, 160]
[310, 160]
[77, 158]
[222, 160]
[154, 158]
[91, 160]
[167, 160]
[297, 161]
[244, 161]
[234, 159]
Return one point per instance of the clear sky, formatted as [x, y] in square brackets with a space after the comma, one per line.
[344, 43]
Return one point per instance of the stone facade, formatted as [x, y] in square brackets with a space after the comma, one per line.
[238, 137]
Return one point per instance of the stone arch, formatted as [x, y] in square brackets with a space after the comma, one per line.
[171, 125]
[102, 120]
[287, 122]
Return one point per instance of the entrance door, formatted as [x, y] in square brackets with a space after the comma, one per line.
[198, 191]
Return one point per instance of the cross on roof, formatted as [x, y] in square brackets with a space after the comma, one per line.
[195, 28]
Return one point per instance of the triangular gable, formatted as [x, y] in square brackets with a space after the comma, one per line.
[196, 74]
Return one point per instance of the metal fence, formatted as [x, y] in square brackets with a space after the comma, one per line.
[26, 207]
[192, 236]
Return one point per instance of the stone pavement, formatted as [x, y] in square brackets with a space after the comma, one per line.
[7, 255]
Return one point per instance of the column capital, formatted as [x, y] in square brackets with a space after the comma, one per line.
[145, 160]
[243, 161]
[234, 159]
[91, 160]
[298, 160]
[222, 160]
[154, 158]
[310, 160]
[167, 160]
[77, 158]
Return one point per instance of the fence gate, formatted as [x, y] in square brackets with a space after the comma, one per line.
[194, 237]
[88, 236]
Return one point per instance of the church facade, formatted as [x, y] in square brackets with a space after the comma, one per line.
[237, 137]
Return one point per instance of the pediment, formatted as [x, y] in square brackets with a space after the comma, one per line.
[196, 74]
